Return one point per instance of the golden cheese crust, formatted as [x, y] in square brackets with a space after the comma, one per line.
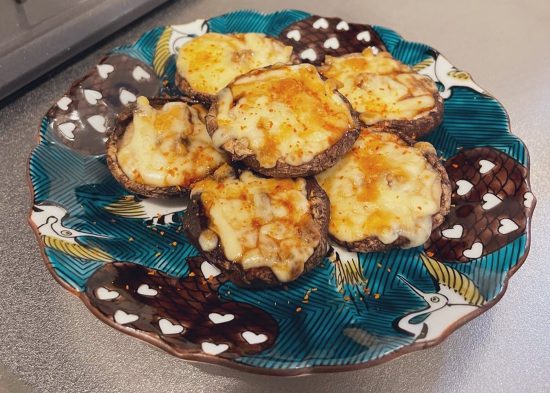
[206, 64]
[387, 192]
[388, 94]
[160, 147]
[283, 121]
[259, 231]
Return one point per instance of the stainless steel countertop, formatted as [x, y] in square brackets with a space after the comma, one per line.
[49, 342]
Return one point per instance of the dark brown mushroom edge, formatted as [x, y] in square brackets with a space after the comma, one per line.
[159, 147]
[208, 63]
[388, 191]
[283, 121]
[260, 232]
[389, 95]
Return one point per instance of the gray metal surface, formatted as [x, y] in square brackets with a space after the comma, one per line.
[49, 342]
[38, 35]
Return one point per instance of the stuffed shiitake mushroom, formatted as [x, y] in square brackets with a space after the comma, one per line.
[388, 191]
[259, 231]
[389, 95]
[207, 63]
[160, 147]
[283, 121]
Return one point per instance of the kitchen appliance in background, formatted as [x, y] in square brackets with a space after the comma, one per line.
[37, 35]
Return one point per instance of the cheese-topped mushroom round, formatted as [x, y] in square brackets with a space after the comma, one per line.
[161, 147]
[386, 192]
[388, 94]
[283, 121]
[260, 231]
[207, 63]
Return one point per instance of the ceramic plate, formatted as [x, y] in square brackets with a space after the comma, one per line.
[128, 261]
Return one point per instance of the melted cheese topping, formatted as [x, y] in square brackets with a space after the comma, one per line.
[209, 62]
[260, 222]
[380, 87]
[286, 113]
[384, 188]
[168, 146]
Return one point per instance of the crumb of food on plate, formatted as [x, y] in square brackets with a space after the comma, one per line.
[388, 94]
[375, 189]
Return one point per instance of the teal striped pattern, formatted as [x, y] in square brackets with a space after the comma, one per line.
[314, 336]
[83, 185]
[313, 333]
[249, 21]
[73, 271]
[144, 48]
[488, 272]
[471, 119]
[487, 125]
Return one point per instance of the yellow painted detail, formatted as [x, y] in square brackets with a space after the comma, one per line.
[77, 250]
[162, 51]
[453, 279]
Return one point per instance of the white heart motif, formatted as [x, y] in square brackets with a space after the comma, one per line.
[167, 327]
[103, 293]
[208, 270]
[308, 54]
[320, 23]
[64, 102]
[104, 70]
[214, 349]
[464, 187]
[364, 36]
[490, 201]
[124, 318]
[474, 252]
[485, 166]
[331, 43]
[140, 74]
[126, 97]
[219, 318]
[145, 290]
[528, 199]
[67, 130]
[342, 25]
[253, 338]
[507, 226]
[98, 122]
[92, 96]
[453, 233]
[294, 35]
